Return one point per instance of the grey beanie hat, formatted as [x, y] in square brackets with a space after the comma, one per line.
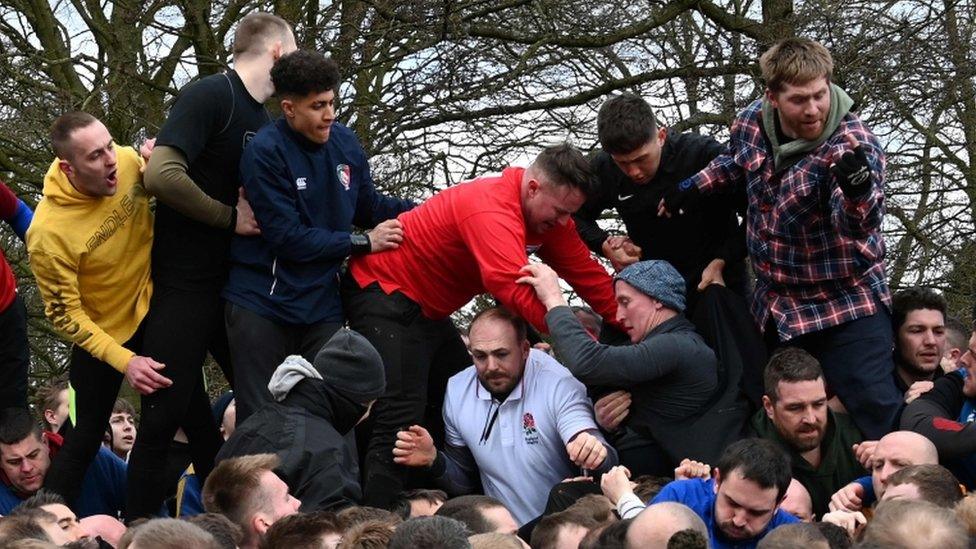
[349, 363]
[658, 280]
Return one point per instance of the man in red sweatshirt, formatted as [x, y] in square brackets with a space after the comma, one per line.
[466, 240]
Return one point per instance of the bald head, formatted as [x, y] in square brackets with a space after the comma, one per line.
[654, 526]
[798, 502]
[896, 451]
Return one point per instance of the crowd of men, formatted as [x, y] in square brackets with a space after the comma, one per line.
[744, 376]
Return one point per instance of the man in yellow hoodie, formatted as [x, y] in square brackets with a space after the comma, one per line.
[89, 248]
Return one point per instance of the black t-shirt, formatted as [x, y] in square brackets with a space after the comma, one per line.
[210, 123]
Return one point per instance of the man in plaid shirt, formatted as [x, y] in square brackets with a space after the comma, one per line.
[814, 174]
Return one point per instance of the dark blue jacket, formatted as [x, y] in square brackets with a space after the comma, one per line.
[306, 198]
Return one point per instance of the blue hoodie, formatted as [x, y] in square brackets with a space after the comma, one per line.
[306, 197]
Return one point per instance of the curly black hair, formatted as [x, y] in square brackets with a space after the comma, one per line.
[303, 72]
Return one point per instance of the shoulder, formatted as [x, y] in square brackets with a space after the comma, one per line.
[346, 142]
[209, 87]
[460, 382]
[546, 370]
[106, 460]
[687, 491]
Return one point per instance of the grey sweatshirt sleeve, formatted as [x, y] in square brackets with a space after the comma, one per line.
[594, 363]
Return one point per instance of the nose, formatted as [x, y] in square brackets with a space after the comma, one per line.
[930, 337]
[634, 172]
[739, 519]
[620, 314]
[26, 467]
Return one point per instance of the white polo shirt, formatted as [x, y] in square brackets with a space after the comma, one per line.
[524, 454]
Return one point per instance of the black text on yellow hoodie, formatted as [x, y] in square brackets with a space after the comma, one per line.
[90, 256]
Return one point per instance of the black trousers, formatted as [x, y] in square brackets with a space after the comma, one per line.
[96, 386]
[259, 345]
[181, 327]
[14, 355]
[419, 356]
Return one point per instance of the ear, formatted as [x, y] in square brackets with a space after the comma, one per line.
[662, 135]
[771, 97]
[718, 479]
[954, 354]
[534, 187]
[525, 347]
[288, 107]
[65, 167]
[259, 523]
[49, 416]
[768, 406]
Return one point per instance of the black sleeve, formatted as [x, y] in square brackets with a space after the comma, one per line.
[595, 205]
[201, 111]
[722, 241]
[935, 414]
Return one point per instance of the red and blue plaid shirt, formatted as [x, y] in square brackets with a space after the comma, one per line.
[818, 256]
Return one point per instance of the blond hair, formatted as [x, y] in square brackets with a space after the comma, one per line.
[233, 488]
[795, 61]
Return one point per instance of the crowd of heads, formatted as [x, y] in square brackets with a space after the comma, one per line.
[249, 504]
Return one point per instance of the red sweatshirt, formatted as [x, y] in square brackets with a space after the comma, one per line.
[470, 239]
[8, 285]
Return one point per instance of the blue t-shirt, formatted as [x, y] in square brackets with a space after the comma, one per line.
[102, 490]
[699, 495]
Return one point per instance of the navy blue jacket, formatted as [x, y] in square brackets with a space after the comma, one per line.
[306, 197]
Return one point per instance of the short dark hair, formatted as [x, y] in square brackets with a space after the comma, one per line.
[372, 534]
[16, 424]
[40, 498]
[913, 299]
[790, 365]
[257, 28]
[301, 531]
[625, 123]
[759, 460]
[935, 483]
[503, 314]
[648, 486]
[836, 536]
[65, 125]
[689, 538]
[789, 536]
[22, 527]
[957, 333]
[303, 72]
[564, 165]
[351, 516]
[436, 532]
[402, 504]
[467, 509]
[123, 406]
[227, 534]
[614, 536]
[546, 531]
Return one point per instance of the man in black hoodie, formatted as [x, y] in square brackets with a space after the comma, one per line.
[316, 404]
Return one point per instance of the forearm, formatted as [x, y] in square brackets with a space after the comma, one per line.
[455, 471]
[592, 362]
[167, 178]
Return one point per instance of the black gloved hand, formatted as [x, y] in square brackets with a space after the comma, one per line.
[853, 173]
[679, 199]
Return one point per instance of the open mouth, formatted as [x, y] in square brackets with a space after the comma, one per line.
[112, 178]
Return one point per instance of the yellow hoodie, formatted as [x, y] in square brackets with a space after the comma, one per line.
[90, 256]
